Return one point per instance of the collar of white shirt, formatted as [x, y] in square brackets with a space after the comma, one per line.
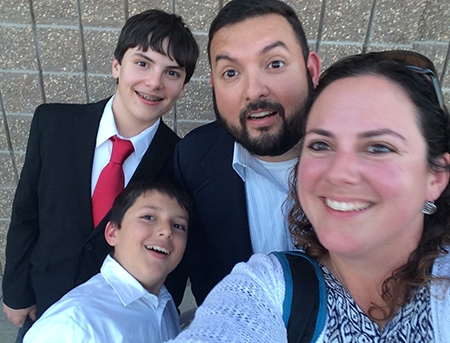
[107, 128]
[274, 172]
[127, 288]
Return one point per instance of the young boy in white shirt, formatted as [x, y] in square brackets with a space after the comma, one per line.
[127, 301]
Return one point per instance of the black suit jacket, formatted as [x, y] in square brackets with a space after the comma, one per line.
[218, 235]
[52, 244]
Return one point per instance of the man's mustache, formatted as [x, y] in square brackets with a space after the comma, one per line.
[263, 105]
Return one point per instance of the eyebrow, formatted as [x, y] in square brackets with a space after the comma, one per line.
[184, 218]
[380, 132]
[274, 45]
[145, 57]
[265, 50]
[157, 208]
[367, 134]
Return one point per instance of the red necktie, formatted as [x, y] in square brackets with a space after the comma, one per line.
[111, 180]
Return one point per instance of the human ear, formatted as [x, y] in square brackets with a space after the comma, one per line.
[115, 68]
[313, 65]
[110, 234]
[182, 91]
[439, 179]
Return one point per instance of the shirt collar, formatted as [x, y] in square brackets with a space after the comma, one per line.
[127, 288]
[107, 128]
[243, 160]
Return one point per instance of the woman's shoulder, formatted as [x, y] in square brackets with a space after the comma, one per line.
[261, 266]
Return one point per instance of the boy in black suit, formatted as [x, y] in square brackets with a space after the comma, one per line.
[55, 241]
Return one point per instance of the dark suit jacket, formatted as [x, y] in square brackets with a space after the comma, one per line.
[218, 236]
[52, 244]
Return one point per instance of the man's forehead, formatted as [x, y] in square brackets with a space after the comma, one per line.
[258, 33]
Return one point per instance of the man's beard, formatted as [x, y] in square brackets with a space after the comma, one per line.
[269, 144]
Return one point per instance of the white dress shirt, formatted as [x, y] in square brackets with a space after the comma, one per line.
[266, 190]
[110, 307]
[103, 146]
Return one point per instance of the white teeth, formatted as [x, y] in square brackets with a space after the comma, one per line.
[149, 97]
[260, 114]
[346, 206]
[158, 249]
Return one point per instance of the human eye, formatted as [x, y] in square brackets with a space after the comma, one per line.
[173, 73]
[141, 63]
[276, 64]
[379, 148]
[179, 227]
[148, 217]
[230, 73]
[319, 146]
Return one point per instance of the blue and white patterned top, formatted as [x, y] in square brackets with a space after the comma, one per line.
[348, 323]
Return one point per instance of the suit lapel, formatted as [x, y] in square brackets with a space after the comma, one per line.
[226, 195]
[160, 149]
[220, 157]
[86, 127]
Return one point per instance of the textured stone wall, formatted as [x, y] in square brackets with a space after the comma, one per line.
[61, 51]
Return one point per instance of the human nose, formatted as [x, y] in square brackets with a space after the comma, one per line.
[165, 229]
[154, 80]
[343, 168]
[255, 86]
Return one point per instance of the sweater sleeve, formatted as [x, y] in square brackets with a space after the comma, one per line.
[246, 306]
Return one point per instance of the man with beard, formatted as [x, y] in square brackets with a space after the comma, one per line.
[237, 167]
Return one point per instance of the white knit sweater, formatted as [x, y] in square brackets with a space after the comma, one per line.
[247, 306]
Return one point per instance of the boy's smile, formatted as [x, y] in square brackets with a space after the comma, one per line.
[149, 84]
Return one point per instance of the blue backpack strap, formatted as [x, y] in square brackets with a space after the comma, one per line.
[305, 301]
